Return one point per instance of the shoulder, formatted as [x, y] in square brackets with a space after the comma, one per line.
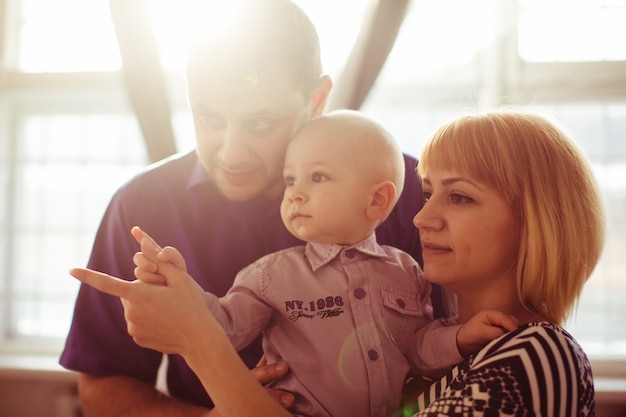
[538, 369]
[400, 257]
[176, 168]
[274, 267]
[539, 336]
[167, 184]
[541, 355]
[280, 259]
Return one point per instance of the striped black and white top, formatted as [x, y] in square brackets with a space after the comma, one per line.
[537, 370]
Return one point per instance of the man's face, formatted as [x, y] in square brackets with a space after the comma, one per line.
[243, 125]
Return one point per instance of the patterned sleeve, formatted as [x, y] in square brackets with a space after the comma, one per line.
[538, 370]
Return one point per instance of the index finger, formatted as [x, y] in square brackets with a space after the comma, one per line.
[102, 282]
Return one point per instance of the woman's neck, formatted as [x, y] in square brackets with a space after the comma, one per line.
[504, 299]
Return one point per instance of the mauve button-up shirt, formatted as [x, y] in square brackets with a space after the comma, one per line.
[350, 321]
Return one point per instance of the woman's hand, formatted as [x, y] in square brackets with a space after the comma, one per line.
[160, 317]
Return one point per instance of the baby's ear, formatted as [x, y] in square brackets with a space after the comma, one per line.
[383, 197]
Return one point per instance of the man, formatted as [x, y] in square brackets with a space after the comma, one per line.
[250, 88]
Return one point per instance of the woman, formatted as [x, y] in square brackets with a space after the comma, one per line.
[513, 221]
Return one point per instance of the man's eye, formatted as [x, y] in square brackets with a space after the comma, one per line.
[426, 196]
[258, 125]
[211, 121]
[317, 177]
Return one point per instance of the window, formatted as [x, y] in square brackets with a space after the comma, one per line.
[541, 67]
[68, 137]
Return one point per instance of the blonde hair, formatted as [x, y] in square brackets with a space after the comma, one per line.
[372, 145]
[550, 187]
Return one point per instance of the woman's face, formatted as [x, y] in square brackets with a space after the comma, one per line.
[468, 232]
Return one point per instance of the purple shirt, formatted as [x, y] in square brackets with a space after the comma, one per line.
[346, 319]
[176, 202]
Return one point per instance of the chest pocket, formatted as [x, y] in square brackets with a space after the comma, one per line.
[402, 313]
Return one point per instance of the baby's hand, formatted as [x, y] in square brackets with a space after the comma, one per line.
[147, 261]
[482, 329]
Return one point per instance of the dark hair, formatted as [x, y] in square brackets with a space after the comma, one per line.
[260, 36]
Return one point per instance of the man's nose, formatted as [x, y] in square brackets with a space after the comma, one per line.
[234, 150]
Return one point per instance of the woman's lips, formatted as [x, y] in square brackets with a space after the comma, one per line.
[429, 248]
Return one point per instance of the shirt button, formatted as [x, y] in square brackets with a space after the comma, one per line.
[373, 355]
[359, 293]
[400, 303]
[350, 253]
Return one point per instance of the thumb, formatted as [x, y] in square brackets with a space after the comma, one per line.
[173, 274]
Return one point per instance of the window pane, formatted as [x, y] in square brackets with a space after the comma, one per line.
[598, 322]
[67, 167]
[66, 36]
[411, 102]
[574, 31]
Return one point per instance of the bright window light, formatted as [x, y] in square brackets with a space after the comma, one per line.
[66, 36]
[572, 31]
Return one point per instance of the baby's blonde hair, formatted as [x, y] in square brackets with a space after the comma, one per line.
[372, 146]
[551, 189]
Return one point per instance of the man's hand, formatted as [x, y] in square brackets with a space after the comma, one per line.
[265, 374]
[482, 329]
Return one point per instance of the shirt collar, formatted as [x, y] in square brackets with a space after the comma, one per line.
[319, 254]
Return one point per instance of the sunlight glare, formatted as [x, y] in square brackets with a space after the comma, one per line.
[176, 23]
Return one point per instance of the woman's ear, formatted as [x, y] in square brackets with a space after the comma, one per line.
[383, 197]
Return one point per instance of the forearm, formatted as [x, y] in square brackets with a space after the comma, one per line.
[433, 349]
[122, 396]
[231, 385]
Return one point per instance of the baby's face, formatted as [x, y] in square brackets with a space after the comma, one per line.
[327, 189]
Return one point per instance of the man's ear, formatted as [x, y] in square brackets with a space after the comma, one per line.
[320, 97]
[383, 196]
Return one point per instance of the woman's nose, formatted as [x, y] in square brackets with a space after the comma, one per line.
[428, 217]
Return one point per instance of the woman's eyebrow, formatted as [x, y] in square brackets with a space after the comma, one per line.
[454, 180]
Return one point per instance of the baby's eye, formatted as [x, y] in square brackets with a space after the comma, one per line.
[289, 180]
[317, 177]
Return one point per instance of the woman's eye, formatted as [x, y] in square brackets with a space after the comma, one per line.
[460, 199]
[426, 196]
